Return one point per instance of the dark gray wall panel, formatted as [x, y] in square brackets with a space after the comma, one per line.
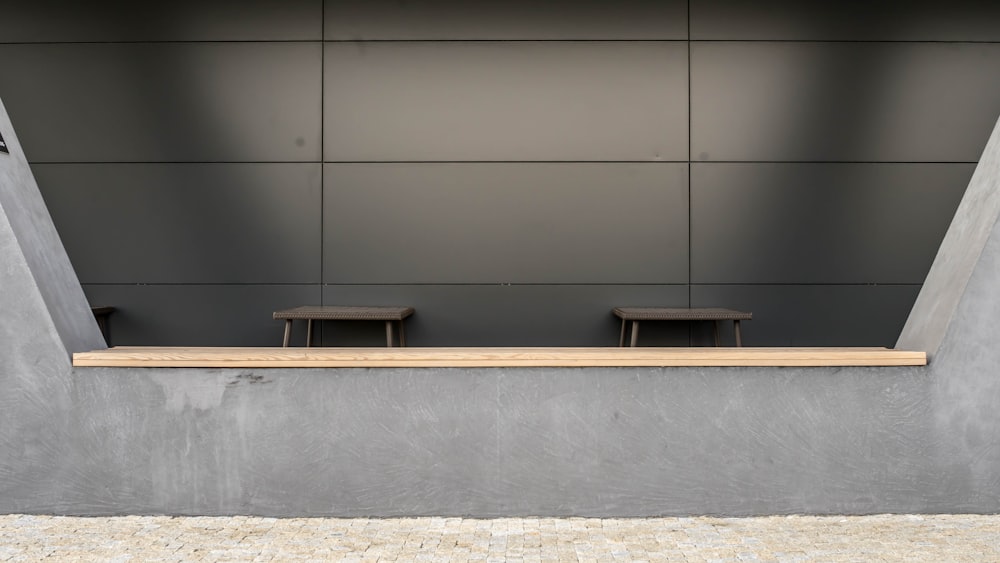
[177, 223]
[885, 20]
[504, 315]
[512, 19]
[198, 315]
[504, 223]
[820, 223]
[506, 101]
[843, 101]
[177, 20]
[164, 102]
[814, 315]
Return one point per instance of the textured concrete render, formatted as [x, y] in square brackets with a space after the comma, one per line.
[912, 538]
[42, 267]
[43, 319]
[957, 257]
[489, 441]
[493, 442]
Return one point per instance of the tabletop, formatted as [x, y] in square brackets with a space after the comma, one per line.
[680, 314]
[337, 312]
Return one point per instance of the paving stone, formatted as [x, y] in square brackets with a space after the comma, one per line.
[888, 538]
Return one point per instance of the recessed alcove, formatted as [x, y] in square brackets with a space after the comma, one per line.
[538, 165]
[478, 439]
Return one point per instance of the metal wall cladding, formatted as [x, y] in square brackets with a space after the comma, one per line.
[502, 101]
[768, 101]
[187, 223]
[508, 20]
[164, 102]
[177, 20]
[820, 223]
[198, 315]
[814, 315]
[885, 20]
[506, 223]
[505, 315]
[432, 152]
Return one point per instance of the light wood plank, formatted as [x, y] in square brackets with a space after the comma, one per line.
[493, 357]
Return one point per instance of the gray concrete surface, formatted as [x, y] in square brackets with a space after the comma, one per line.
[488, 441]
[832, 539]
[35, 266]
[958, 256]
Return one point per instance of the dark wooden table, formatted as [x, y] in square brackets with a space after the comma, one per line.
[312, 313]
[636, 314]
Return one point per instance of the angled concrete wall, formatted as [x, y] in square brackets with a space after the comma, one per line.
[957, 257]
[488, 442]
[45, 269]
[44, 317]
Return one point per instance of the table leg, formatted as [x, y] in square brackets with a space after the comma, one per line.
[621, 339]
[388, 333]
[288, 333]
[402, 339]
[715, 329]
[309, 333]
[739, 336]
[635, 333]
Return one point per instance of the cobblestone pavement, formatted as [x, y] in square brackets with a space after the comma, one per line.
[938, 538]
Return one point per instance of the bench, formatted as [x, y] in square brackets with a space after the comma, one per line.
[342, 313]
[636, 314]
[469, 357]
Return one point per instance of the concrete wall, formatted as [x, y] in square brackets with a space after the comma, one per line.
[487, 442]
[537, 163]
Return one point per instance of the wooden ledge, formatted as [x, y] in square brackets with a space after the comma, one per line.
[123, 356]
